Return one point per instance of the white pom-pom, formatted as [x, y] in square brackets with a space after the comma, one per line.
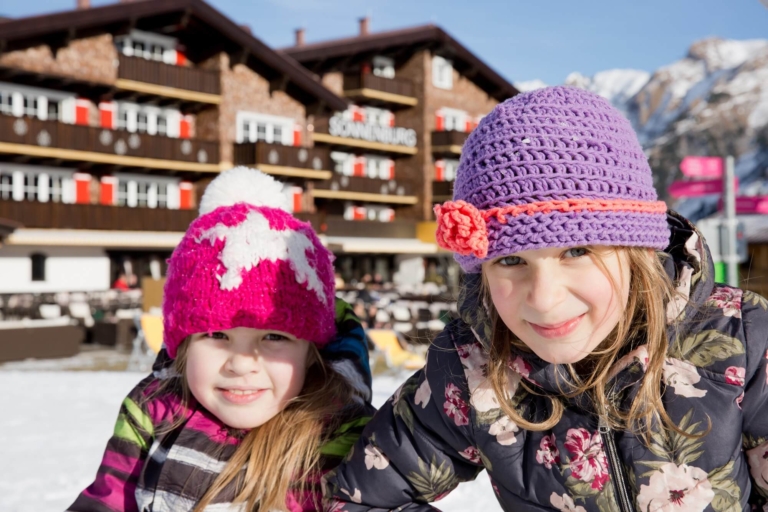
[243, 185]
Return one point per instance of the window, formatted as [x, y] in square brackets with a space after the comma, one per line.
[141, 122]
[53, 110]
[377, 116]
[30, 106]
[442, 72]
[6, 102]
[38, 266]
[252, 127]
[122, 192]
[162, 125]
[6, 186]
[162, 195]
[384, 67]
[30, 186]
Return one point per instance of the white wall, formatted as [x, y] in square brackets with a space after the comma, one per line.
[66, 269]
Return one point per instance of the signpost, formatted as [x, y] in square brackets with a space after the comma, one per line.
[702, 167]
[699, 188]
[722, 181]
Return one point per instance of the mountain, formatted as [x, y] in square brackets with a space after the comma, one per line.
[714, 101]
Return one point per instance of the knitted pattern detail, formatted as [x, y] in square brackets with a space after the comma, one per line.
[566, 159]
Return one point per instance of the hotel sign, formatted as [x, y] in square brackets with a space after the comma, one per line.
[340, 127]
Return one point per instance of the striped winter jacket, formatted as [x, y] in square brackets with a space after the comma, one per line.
[147, 468]
[444, 425]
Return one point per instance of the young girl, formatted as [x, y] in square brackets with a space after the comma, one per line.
[596, 365]
[248, 414]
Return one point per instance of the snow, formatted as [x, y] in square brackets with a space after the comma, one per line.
[727, 53]
[55, 424]
[529, 85]
[616, 85]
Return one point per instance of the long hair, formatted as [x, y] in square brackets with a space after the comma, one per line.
[644, 322]
[282, 455]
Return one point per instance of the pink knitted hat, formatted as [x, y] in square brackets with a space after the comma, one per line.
[246, 262]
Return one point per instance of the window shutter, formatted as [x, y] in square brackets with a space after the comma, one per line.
[297, 135]
[108, 190]
[185, 127]
[439, 121]
[185, 195]
[82, 108]
[107, 113]
[391, 120]
[358, 114]
[440, 170]
[82, 188]
[181, 58]
[42, 108]
[359, 166]
[386, 215]
[391, 166]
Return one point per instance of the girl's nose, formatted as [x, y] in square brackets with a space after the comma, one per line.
[547, 289]
[240, 363]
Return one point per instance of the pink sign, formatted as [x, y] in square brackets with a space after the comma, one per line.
[749, 204]
[680, 189]
[702, 166]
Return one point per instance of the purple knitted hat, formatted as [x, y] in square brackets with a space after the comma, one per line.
[246, 262]
[554, 167]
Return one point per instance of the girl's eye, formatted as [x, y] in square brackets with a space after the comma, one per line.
[509, 261]
[218, 335]
[576, 252]
[273, 336]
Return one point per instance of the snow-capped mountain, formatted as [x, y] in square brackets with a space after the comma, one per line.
[618, 85]
[714, 101]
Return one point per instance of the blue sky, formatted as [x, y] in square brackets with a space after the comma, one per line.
[522, 40]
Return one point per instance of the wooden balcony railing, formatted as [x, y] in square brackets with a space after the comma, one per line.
[53, 139]
[449, 141]
[398, 86]
[395, 190]
[285, 160]
[336, 225]
[178, 77]
[32, 214]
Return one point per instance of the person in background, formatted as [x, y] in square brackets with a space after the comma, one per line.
[596, 366]
[263, 382]
[121, 283]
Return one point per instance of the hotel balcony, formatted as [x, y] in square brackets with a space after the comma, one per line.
[349, 188]
[344, 134]
[50, 215]
[337, 226]
[390, 93]
[35, 141]
[448, 142]
[147, 79]
[279, 160]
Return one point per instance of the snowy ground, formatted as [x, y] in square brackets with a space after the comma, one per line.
[54, 425]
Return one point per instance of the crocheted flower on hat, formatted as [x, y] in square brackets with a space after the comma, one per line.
[461, 228]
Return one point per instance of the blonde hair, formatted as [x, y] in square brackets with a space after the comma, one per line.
[282, 455]
[644, 322]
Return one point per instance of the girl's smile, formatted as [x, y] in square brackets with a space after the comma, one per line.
[557, 330]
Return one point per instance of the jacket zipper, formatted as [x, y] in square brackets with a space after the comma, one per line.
[618, 476]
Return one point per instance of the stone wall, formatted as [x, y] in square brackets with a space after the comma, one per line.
[93, 59]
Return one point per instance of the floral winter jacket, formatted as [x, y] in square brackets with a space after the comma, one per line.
[149, 468]
[443, 426]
